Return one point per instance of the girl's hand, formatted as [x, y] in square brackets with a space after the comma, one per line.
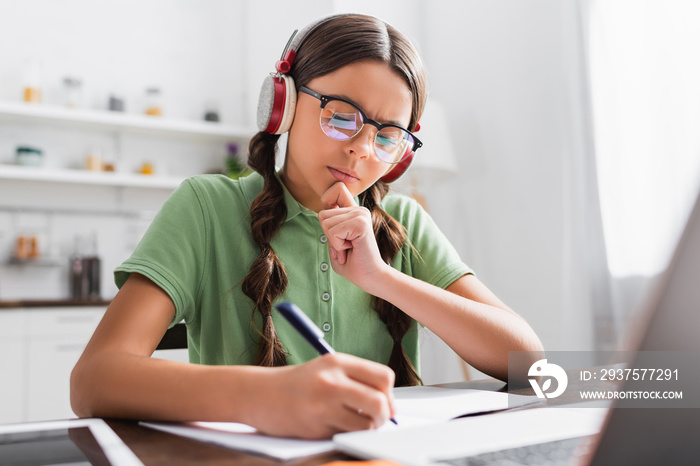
[351, 242]
[330, 394]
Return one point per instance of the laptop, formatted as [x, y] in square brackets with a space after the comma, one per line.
[625, 433]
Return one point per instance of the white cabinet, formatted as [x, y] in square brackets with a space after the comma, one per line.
[38, 350]
[56, 339]
[38, 358]
[51, 360]
[13, 366]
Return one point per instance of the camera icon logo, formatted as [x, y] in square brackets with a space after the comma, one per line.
[547, 371]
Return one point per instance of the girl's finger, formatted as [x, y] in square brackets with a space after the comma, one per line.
[339, 195]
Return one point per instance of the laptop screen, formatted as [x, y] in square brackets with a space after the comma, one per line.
[669, 324]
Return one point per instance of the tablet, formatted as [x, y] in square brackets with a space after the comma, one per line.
[71, 442]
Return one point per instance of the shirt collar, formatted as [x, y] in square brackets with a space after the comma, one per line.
[294, 208]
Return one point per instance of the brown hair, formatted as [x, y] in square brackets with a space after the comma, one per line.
[332, 44]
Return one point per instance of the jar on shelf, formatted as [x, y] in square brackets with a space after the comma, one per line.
[116, 103]
[22, 248]
[29, 156]
[147, 168]
[73, 88]
[211, 112]
[32, 82]
[26, 248]
[85, 265]
[93, 159]
[117, 100]
[154, 101]
[34, 252]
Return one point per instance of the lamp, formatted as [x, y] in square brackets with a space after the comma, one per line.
[435, 162]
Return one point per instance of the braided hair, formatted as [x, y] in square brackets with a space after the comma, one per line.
[332, 44]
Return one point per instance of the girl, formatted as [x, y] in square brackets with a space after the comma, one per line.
[321, 232]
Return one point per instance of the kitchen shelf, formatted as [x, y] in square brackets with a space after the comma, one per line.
[118, 121]
[84, 177]
[54, 303]
[39, 262]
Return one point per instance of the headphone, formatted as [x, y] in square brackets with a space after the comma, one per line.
[278, 97]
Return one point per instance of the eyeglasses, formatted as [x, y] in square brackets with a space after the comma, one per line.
[342, 120]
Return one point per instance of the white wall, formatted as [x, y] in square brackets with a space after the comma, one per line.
[505, 70]
[191, 50]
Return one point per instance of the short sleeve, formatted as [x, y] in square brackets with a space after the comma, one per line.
[173, 252]
[427, 254]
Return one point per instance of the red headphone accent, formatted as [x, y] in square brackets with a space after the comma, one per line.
[284, 65]
[398, 169]
[402, 166]
[278, 106]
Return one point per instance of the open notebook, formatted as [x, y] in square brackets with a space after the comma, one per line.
[414, 406]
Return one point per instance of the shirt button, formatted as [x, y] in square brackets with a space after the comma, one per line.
[326, 327]
[325, 296]
[323, 238]
[324, 267]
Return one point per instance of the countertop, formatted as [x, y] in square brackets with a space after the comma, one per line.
[53, 303]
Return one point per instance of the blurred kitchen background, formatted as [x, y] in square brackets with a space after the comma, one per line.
[562, 152]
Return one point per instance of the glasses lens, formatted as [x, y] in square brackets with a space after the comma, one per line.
[392, 145]
[340, 120]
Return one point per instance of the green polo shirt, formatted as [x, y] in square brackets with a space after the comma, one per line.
[199, 248]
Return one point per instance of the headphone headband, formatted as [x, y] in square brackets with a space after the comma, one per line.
[284, 64]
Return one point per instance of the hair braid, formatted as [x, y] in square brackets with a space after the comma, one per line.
[329, 46]
[390, 238]
[267, 278]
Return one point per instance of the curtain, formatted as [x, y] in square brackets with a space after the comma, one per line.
[644, 77]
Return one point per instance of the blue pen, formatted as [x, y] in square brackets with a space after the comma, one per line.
[306, 327]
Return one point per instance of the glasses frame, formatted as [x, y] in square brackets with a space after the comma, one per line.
[325, 100]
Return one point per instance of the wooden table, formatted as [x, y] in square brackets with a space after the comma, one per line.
[154, 447]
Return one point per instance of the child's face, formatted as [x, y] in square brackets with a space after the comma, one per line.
[314, 161]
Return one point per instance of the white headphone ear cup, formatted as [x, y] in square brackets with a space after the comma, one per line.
[290, 105]
[266, 102]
